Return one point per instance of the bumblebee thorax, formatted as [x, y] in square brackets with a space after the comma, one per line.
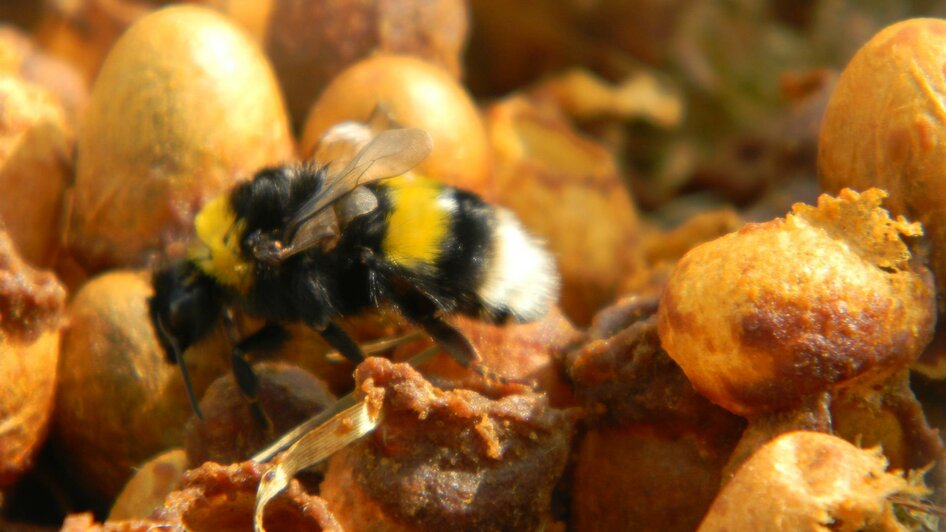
[216, 249]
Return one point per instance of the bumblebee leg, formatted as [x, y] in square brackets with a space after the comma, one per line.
[421, 309]
[269, 337]
[458, 347]
[339, 339]
[452, 341]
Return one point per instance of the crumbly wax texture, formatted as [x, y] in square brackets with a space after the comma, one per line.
[31, 312]
[449, 459]
[808, 481]
[762, 317]
[31, 301]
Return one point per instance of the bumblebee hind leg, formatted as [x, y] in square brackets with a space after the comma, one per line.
[459, 347]
[341, 342]
[452, 341]
[422, 310]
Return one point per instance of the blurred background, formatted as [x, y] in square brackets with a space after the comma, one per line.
[690, 106]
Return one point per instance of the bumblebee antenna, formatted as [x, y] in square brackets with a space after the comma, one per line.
[179, 359]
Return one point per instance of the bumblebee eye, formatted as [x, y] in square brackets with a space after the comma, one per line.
[264, 248]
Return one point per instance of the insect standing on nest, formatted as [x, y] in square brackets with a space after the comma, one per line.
[312, 244]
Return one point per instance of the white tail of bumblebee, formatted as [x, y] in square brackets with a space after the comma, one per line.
[521, 278]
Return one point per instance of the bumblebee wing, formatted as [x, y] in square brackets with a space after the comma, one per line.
[389, 154]
[320, 229]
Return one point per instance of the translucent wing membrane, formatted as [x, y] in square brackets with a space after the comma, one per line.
[390, 153]
[314, 440]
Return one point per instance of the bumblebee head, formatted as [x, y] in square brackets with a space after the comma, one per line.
[184, 308]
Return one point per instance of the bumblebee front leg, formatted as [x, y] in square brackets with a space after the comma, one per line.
[269, 337]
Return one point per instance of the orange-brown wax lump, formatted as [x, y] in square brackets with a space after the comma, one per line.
[622, 375]
[448, 459]
[36, 147]
[644, 477]
[762, 317]
[22, 56]
[883, 127]
[416, 94]
[567, 189]
[654, 450]
[151, 484]
[31, 311]
[118, 400]
[809, 481]
[229, 432]
[81, 32]
[523, 352]
[215, 497]
[309, 43]
[185, 106]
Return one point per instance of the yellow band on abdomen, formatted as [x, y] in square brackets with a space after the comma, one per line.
[418, 222]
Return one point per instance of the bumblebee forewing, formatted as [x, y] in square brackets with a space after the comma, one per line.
[391, 153]
[320, 230]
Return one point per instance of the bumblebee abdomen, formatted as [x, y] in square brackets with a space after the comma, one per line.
[467, 254]
[520, 279]
[418, 222]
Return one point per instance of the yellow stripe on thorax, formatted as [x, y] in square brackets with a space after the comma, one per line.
[216, 250]
[418, 222]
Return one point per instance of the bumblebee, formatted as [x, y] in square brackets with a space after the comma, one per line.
[312, 244]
